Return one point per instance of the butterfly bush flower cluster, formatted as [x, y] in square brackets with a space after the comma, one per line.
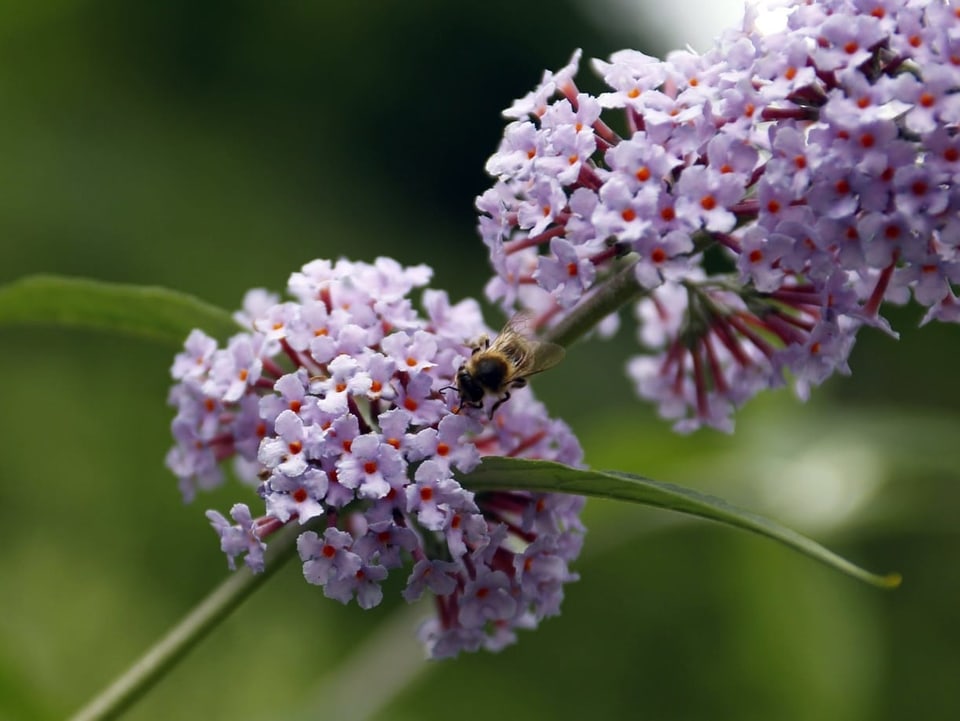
[338, 405]
[770, 195]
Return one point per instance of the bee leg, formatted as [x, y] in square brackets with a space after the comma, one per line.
[481, 343]
[500, 402]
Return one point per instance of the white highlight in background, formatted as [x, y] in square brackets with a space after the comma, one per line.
[681, 23]
[678, 22]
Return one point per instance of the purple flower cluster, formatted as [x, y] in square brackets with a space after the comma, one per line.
[339, 404]
[771, 194]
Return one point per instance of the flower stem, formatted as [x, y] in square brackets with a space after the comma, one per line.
[618, 290]
[167, 652]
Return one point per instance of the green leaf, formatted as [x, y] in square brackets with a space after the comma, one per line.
[548, 477]
[149, 312]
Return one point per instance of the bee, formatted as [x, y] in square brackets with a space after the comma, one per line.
[496, 367]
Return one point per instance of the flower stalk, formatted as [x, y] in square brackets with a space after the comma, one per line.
[180, 640]
[620, 289]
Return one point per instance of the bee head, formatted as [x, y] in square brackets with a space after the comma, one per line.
[471, 392]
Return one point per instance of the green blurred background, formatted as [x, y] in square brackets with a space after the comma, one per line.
[214, 146]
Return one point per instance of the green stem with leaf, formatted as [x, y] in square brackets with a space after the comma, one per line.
[167, 316]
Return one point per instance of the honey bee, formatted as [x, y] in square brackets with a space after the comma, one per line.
[496, 367]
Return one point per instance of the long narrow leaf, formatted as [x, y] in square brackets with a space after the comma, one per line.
[548, 477]
[155, 313]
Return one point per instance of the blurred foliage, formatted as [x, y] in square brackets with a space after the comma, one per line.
[215, 146]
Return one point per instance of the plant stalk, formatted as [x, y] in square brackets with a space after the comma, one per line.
[618, 290]
[166, 653]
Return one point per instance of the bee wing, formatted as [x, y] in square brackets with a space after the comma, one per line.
[545, 356]
[529, 355]
[521, 323]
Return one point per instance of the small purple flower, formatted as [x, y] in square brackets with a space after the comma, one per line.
[436, 497]
[411, 353]
[301, 498]
[444, 444]
[239, 538]
[543, 205]
[291, 394]
[384, 541]
[364, 585]
[543, 573]
[625, 212]
[288, 453]
[443, 641]
[487, 598]
[345, 378]
[194, 363]
[760, 258]
[372, 467]
[255, 303]
[235, 369]
[465, 531]
[565, 272]
[705, 197]
[629, 73]
[535, 103]
[663, 257]
[848, 41]
[440, 577]
[419, 396]
[328, 558]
